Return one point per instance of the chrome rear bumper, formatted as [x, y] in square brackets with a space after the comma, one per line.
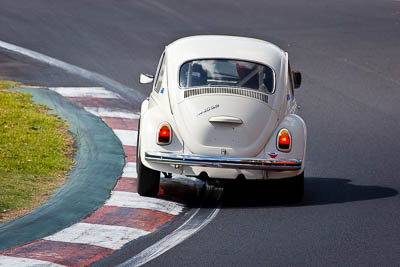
[222, 162]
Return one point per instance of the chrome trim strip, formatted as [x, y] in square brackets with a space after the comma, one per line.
[222, 162]
[225, 119]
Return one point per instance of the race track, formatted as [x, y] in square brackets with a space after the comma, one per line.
[348, 53]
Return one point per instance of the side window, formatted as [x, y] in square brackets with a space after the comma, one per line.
[159, 74]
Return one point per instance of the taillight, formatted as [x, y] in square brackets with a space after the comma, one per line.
[164, 135]
[284, 142]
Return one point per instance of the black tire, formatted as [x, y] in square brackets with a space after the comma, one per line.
[148, 180]
[296, 188]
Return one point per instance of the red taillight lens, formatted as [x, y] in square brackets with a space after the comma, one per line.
[164, 135]
[284, 140]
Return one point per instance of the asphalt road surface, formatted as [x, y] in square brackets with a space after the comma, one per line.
[349, 55]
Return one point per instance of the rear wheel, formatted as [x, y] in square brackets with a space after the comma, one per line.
[148, 180]
[296, 188]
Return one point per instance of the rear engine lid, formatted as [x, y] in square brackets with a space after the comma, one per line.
[234, 125]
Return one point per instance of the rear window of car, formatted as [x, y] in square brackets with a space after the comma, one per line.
[227, 72]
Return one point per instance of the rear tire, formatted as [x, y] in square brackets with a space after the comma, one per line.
[148, 180]
[296, 188]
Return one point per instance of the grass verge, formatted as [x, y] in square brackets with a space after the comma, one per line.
[36, 152]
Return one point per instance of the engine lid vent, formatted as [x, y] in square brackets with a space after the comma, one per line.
[226, 90]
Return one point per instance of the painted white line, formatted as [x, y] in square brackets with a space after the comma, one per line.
[107, 236]
[103, 80]
[127, 137]
[107, 112]
[93, 92]
[129, 170]
[193, 225]
[25, 262]
[133, 200]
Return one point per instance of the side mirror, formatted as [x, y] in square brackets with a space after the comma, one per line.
[146, 78]
[296, 79]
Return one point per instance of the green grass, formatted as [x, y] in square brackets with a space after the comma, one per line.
[8, 84]
[35, 152]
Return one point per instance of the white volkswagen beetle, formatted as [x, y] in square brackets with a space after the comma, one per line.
[221, 108]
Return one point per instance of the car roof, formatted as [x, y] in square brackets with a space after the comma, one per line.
[223, 46]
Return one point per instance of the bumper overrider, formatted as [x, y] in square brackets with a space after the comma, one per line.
[223, 162]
